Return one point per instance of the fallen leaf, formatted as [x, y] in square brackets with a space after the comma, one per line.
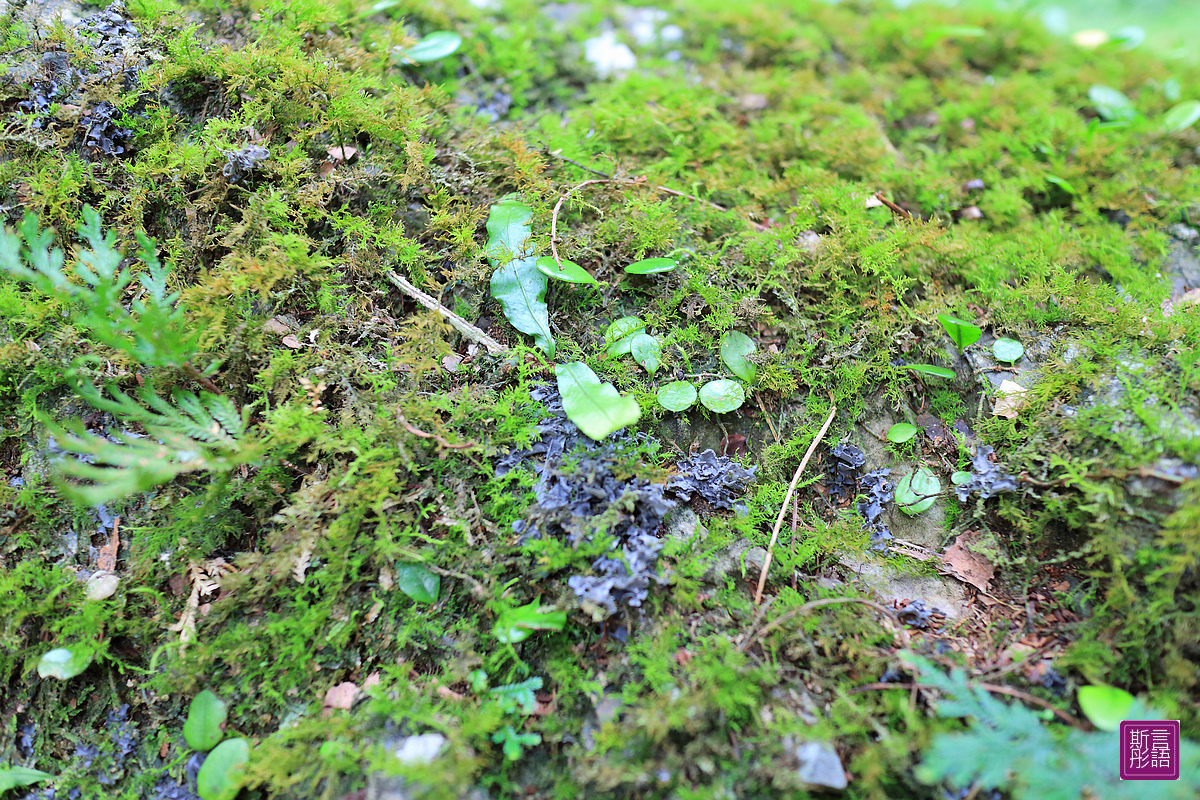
[448, 694]
[341, 696]
[291, 341]
[1010, 402]
[372, 680]
[106, 558]
[967, 566]
[450, 363]
[341, 152]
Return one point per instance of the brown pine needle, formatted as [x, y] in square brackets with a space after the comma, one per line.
[762, 578]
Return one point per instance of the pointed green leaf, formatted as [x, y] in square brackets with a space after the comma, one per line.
[570, 272]
[963, 333]
[722, 396]
[735, 346]
[220, 776]
[901, 432]
[16, 777]
[206, 717]
[914, 492]
[677, 396]
[619, 336]
[1182, 116]
[417, 582]
[64, 663]
[438, 44]
[515, 624]
[651, 265]
[1061, 183]
[1110, 103]
[597, 408]
[1105, 706]
[517, 283]
[1008, 350]
[646, 351]
[929, 369]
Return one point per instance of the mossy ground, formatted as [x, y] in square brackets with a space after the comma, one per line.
[789, 114]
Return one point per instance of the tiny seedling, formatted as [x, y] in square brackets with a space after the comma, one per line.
[619, 336]
[963, 333]
[418, 582]
[646, 351]
[597, 408]
[901, 432]
[514, 743]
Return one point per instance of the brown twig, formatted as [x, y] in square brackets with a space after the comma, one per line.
[895, 209]
[762, 578]
[767, 417]
[461, 325]
[408, 426]
[813, 605]
[994, 688]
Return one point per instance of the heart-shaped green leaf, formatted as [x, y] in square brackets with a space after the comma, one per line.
[648, 266]
[619, 336]
[517, 284]
[677, 396]
[438, 44]
[722, 396]
[64, 663]
[417, 582]
[962, 332]
[220, 776]
[930, 369]
[203, 728]
[901, 432]
[1182, 116]
[597, 408]
[914, 492]
[16, 777]
[1105, 706]
[735, 346]
[1008, 350]
[646, 352]
[570, 271]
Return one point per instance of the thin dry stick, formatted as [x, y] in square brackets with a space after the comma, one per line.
[767, 417]
[762, 578]
[461, 325]
[408, 426]
[813, 605]
[994, 688]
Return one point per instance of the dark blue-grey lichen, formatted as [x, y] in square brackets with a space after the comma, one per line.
[579, 496]
[987, 477]
[242, 162]
[873, 487]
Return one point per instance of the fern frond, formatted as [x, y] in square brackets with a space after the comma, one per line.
[180, 437]
[1009, 747]
[152, 330]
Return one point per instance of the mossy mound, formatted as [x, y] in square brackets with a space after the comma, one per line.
[320, 505]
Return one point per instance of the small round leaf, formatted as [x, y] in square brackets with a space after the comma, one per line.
[646, 351]
[207, 714]
[220, 776]
[901, 432]
[63, 663]
[722, 396]
[914, 492]
[570, 272]
[735, 346]
[961, 478]
[677, 396]
[650, 265]
[1105, 706]
[1008, 350]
